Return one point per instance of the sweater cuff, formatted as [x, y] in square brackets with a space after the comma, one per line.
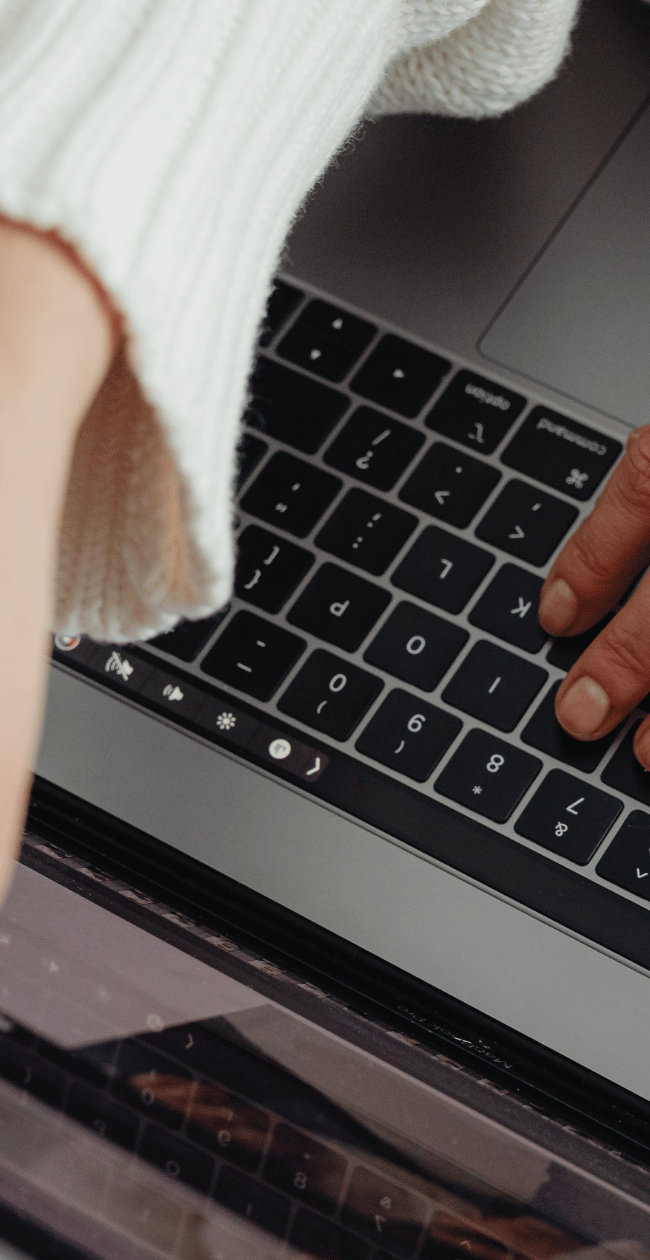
[501, 55]
[171, 145]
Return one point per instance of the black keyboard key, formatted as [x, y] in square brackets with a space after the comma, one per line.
[408, 735]
[544, 732]
[268, 568]
[180, 1160]
[494, 686]
[283, 300]
[488, 775]
[189, 638]
[562, 453]
[627, 859]
[153, 1084]
[400, 376]
[293, 408]
[564, 653]
[383, 1212]
[442, 569]
[339, 607]
[625, 773]
[449, 485]
[310, 350]
[253, 655]
[28, 1071]
[249, 453]
[291, 494]
[416, 645]
[100, 1112]
[366, 531]
[508, 608]
[225, 1124]
[526, 522]
[373, 448]
[476, 412]
[312, 1236]
[259, 1205]
[569, 816]
[95, 1063]
[305, 1169]
[330, 694]
[347, 331]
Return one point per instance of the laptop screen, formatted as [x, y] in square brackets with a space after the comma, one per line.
[154, 1104]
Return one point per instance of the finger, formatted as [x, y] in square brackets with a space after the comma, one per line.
[609, 549]
[613, 673]
[642, 743]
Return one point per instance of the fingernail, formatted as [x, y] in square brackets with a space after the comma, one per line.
[558, 607]
[584, 708]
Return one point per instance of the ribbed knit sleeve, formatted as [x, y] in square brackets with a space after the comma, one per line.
[171, 144]
[496, 56]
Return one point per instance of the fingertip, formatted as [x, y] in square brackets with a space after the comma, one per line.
[558, 607]
[583, 709]
[642, 744]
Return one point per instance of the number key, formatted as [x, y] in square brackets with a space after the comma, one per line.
[569, 816]
[330, 694]
[384, 1212]
[488, 775]
[408, 735]
[305, 1169]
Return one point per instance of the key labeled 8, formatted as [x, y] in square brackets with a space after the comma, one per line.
[495, 763]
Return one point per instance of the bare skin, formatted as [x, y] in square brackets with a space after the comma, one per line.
[591, 574]
[56, 343]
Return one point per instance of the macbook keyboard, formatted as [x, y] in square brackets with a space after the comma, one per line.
[397, 515]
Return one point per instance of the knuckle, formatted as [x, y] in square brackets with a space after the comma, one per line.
[592, 558]
[621, 651]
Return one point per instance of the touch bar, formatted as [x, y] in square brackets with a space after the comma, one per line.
[494, 860]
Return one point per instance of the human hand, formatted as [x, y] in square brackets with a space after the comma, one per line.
[57, 338]
[591, 574]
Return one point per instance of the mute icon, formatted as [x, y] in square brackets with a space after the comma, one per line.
[172, 693]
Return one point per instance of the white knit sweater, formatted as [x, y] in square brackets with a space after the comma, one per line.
[172, 142]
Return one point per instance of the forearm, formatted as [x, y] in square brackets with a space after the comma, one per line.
[56, 342]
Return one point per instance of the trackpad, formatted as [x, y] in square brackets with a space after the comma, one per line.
[580, 320]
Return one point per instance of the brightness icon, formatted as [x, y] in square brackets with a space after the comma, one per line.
[226, 721]
[477, 790]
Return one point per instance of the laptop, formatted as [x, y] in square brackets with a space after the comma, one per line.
[356, 763]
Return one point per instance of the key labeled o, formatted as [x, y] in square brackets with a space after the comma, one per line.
[416, 644]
